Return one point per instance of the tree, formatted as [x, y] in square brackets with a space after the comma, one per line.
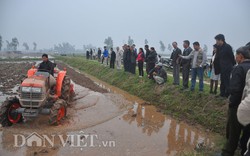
[162, 46]
[205, 48]
[14, 43]
[109, 42]
[1, 42]
[8, 45]
[130, 41]
[146, 42]
[64, 47]
[26, 46]
[170, 48]
[35, 45]
[88, 47]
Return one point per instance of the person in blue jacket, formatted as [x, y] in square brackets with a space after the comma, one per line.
[105, 55]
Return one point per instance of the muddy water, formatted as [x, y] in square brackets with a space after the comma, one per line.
[117, 122]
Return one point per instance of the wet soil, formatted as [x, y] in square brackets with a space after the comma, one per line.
[11, 74]
[120, 123]
[81, 79]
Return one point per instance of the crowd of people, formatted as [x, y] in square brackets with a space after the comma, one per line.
[232, 70]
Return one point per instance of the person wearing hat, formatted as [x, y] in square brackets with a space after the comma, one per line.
[158, 73]
[236, 87]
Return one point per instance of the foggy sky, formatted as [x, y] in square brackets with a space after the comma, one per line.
[79, 22]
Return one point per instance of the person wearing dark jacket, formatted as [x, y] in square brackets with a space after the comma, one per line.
[140, 59]
[176, 63]
[227, 61]
[99, 54]
[236, 87]
[146, 57]
[215, 71]
[133, 59]
[151, 59]
[186, 64]
[46, 65]
[87, 54]
[91, 54]
[112, 59]
[125, 58]
[158, 73]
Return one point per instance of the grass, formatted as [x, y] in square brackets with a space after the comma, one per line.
[193, 107]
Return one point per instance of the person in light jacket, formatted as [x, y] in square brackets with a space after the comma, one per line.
[119, 55]
[243, 114]
[199, 59]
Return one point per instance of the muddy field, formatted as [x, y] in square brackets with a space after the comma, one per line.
[118, 123]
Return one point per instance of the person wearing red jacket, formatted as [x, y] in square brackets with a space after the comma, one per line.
[140, 59]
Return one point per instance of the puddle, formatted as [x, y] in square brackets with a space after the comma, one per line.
[127, 121]
[10, 93]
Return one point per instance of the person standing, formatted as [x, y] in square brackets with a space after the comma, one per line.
[176, 63]
[236, 88]
[125, 58]
[99, 53]
[152, 59]
[215, 71]
[119, 54]
[94, 54]
[135, 49]
[133, 60]
[105, 55]
[199, 59]
[140, 59]
[243, 115]
[146, 57]
[227, 61]
[91, 54]
[87, 54]
[186, 64]
[112, 59]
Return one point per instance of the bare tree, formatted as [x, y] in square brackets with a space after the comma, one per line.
[146, 42]
[88, 46]
[14, 43]
[109, 42]
[205, 48]
[8, 45]
[1, 42]
[26, 46]
[162, 46]
[64, 47]
[130, 41]
[35, 46]
[170, 48]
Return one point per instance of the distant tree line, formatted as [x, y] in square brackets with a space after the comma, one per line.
[14, 43]
[64, 47]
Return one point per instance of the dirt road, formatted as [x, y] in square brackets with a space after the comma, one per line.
[102, 120]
